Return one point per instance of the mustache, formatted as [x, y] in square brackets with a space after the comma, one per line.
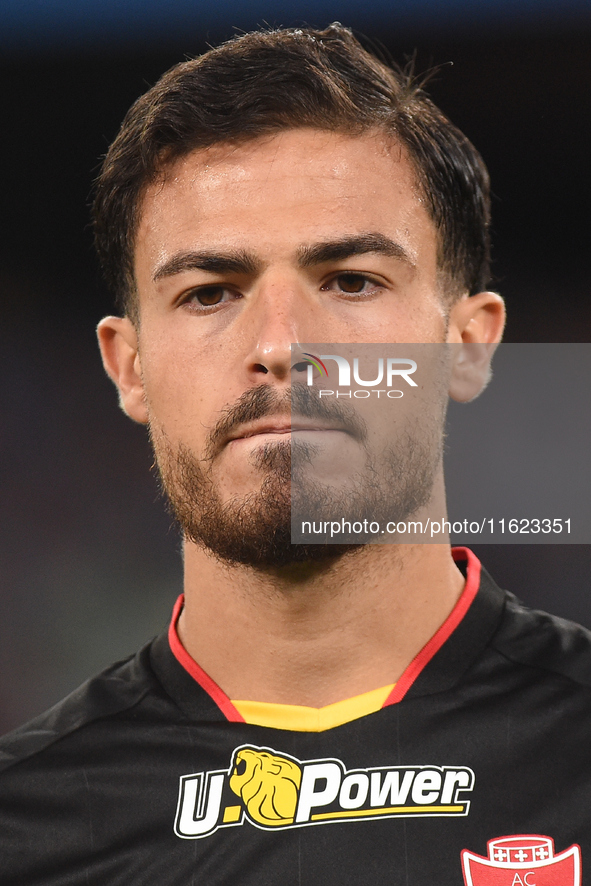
[297, 401]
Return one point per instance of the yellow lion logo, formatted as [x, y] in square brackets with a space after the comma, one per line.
[267, 784]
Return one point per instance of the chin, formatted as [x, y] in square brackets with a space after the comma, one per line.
[255, 529]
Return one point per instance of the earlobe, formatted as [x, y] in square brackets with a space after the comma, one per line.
[471, 370]
[118, 343]
[475, 329]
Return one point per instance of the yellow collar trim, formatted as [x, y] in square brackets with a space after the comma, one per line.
[299, 718]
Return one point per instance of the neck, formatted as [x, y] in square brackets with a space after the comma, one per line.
[315, 634]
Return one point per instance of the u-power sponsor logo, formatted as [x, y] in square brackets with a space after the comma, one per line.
[274, 791]
[388, 370]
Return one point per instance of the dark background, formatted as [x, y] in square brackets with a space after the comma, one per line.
[89, 565]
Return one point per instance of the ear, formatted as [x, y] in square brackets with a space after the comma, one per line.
[475, 328]
[118, 343]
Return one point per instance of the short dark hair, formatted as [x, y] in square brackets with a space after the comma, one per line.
[267, 81]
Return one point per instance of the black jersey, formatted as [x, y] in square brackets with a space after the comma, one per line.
[475, 771]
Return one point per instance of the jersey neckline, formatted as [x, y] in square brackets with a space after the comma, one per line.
[438, 664]
[300, 718]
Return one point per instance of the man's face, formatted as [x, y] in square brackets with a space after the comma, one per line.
[306, 236]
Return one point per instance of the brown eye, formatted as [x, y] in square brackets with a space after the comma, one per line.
[351, 282]
[210, 296]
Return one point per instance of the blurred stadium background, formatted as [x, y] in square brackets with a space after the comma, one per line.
[89, 565]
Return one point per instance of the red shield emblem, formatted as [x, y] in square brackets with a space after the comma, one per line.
[523, 860]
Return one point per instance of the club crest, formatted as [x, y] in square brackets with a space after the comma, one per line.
[522, 860]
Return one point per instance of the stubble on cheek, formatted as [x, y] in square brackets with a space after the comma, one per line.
[254, 528]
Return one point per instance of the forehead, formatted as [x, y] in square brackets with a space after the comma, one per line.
[277, 193]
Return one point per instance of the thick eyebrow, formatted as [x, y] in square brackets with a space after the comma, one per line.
[345, 247]
[242, 262]
[238, 262]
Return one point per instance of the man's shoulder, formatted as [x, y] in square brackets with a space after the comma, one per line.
[545, 643]
[117, 691]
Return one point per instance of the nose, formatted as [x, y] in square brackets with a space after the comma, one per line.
[280, 316]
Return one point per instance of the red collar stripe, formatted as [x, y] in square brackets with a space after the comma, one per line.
[198, 674]
[423, 658]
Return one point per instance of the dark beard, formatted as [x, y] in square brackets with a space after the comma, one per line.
[256, 529]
